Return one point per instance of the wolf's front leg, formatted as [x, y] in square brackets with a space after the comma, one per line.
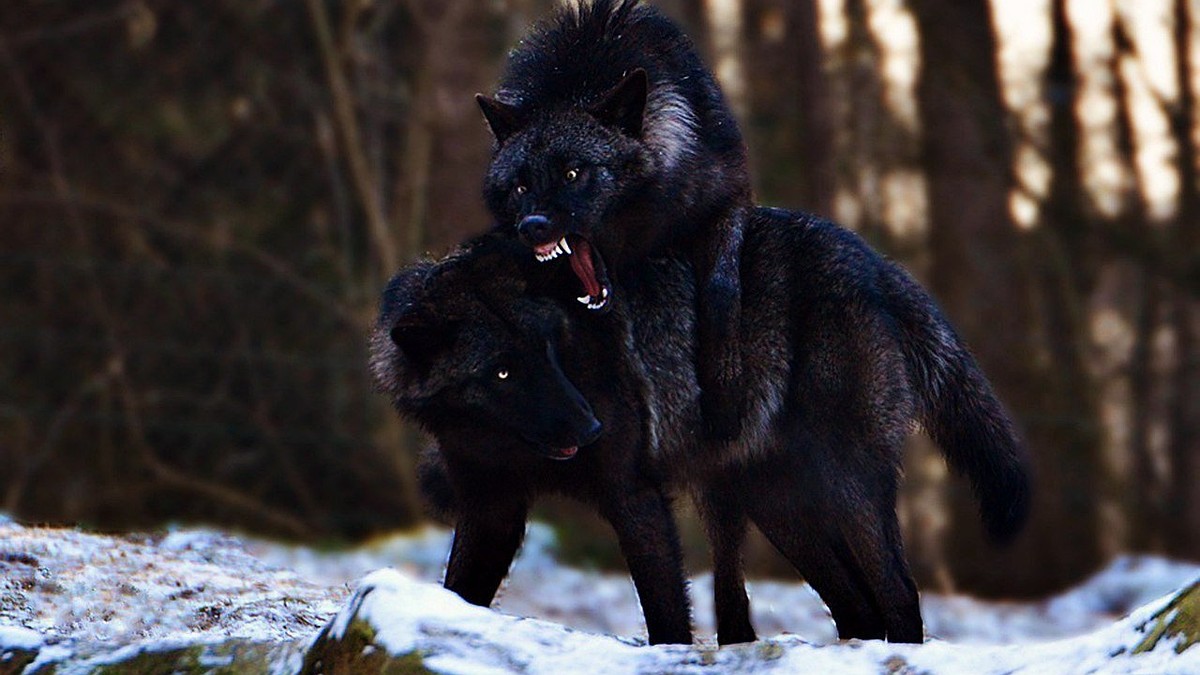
[486, 538]
[646, 531]
[718, 319]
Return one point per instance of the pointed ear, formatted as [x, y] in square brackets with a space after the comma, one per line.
[504, 119]
[624, 105]
[421, 341]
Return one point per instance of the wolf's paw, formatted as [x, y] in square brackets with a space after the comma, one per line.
[722, 417]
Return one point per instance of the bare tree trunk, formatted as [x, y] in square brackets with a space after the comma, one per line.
[1183, 504]
[1144, 492]
[1066, 269]
[981, 273]
[790, 128]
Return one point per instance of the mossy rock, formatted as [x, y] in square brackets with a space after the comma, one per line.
[235, 657]
[355, 652]
[13, 661]
[1179, 620]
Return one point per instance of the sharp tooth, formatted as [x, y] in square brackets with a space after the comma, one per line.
[565, 247]
[584, 299]
[604, 293]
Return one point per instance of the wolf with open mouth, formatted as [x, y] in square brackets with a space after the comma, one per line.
[614, 143]
[847, 355]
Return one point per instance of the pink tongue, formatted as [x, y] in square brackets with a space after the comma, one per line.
[568, 452]
[581, 262]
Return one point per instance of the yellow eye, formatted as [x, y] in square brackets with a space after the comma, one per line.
[521, 189]
[503, 374]
[572, 174]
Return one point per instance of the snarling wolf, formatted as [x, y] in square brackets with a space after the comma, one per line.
[614, 143]
[845, 355]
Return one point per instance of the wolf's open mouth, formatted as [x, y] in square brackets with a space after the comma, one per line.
[587, 265]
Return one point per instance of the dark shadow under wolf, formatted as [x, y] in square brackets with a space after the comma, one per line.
[844, 356]
[614, 143]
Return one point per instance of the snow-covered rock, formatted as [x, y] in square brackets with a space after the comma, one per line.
[396, 621]
[196, 601]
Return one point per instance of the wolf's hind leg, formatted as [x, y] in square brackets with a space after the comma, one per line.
[821, 556]
[874, 552]
[718, 319]
[486, 538]
[725, 524]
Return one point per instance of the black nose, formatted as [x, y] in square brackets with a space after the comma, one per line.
[592, 434]
[534, 229]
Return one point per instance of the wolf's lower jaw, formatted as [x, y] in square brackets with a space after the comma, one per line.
[596, 293]
[593, 303]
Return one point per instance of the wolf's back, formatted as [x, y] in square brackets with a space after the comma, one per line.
[961, 412]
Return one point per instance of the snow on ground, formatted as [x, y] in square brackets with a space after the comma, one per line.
[69, 585]
[606, 603]
[406, 617]
[65, 587]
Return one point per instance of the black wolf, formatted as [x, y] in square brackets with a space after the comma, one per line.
[493, 373]
[845, 355]
[614, 143]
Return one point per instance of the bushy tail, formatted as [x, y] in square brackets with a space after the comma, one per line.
[962, 414]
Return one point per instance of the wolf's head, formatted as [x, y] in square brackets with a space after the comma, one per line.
[459, 344]
[557, 176]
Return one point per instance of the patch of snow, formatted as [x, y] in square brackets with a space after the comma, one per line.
[409, 615]
[70, 585]
[61, 588]
[16, 637]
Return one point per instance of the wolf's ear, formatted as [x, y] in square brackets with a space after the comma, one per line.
[504, 119]
[421, 342]
[624, 106]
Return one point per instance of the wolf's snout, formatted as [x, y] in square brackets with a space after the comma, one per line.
[535, 229]
[588, 437]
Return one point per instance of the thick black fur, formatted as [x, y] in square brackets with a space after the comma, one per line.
[845, 356]
[466, 350]
[611, 132]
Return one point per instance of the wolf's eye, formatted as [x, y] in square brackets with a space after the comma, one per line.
[521, 189]
[502, 374]
[572, 174]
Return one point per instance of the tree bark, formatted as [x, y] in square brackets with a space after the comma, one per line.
[790, 127]
[982, 275]
[1183, 504]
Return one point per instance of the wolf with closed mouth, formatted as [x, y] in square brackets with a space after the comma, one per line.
[846, 356]
[490, 370]
[614, 143]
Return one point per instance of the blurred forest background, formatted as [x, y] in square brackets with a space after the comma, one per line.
[200, 203]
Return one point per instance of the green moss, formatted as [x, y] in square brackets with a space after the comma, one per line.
[356, 652]
[770, 651]
[1180, 620]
